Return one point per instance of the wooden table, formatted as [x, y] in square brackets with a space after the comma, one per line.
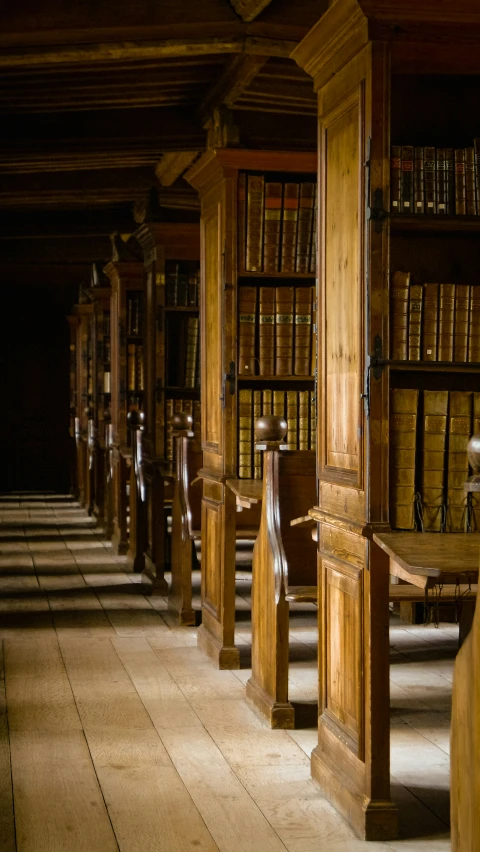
[247, 491]
[428, 559]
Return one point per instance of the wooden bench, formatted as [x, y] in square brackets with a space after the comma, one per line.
[284, 557]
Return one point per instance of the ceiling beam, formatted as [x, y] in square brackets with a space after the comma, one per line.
[237, 76]
[172, 166]
[249, 9]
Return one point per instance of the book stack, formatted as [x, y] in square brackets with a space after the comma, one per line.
[276, 224]
[275, 331]
[429, 434]
[434, 322]
[182, 286]
[134, 314]
[175, 406]
[298, 408]
[442, 181]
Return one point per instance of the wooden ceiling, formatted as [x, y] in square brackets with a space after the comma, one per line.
[100, 101]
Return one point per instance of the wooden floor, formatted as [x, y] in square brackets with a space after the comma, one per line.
[116, 733]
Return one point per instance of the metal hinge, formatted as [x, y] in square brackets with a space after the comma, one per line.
[375, 212]
[375, 365]
[228, 378]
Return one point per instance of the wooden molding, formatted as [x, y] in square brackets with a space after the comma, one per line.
[249, 9]
[172, 166]
[237, 76]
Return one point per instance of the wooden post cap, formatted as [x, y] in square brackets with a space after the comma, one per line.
[270, 429]
[181, 422]
[135, 419]
[473, 453]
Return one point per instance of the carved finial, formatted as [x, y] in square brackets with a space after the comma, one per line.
[182, 422]
[270, 431]
[135, 419]
[473, 453]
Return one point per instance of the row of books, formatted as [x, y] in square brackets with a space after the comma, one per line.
[275, 331]
[429, 433]
[192, 360]
[134, 314]
[175, 406]
[276, 225]
[434, 322]
[442, 181]
[297, 407]
[182, 287]
[135, 368]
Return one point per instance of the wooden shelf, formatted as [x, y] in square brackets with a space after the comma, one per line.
[182, 309]
[424, 223]
[248, 379]
[435, 366]
[179, 390]
[302, 276]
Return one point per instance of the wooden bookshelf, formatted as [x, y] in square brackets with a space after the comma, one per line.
[217, 177]
[168, 247]
[73, 322]
[101, 397]
[84, 388]
[375, 88]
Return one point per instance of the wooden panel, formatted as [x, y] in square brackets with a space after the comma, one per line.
[342, 288]
[343, 694]
[211, 321]
[211, 553]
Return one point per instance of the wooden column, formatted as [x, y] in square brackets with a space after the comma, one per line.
[84, 313]
[137, 532]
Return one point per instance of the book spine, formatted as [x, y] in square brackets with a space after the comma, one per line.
[435, 411]
[257, 455]
[441, 182]
[399, 315]
[245, 443]
[172, 287]
[289, 226]
[267, 402]
[418, 180]
[396, 178]
[474, 325]
[192, 352]
[407, 179]
[272, 223]
[470, 192]
[304, 231]
[415, 312]
[462, 315]
[430, 322]
[247, 310]
[303, 331]
[476, 144]
[139, 369]
[450, 180]
[266, 331]
[303, 417]
[313, 421]
[446, 321]
[129, 315]
[169, 431]
[429, 171]
[278, 407]
[475, 497]
[313, 246]
[107, 384]
[131, 367]
[460, 188]
[284, 331]
[292, 420]
[403, 445]
[459, 431]
[193, 280]
[197, 412]
[241, 212]
[255, 208]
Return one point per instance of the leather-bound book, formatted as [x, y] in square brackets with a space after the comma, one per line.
[459, 431]
[169, 431]
[462, 316]
[267, 402]
[313, 421]
[407, 179]
[129, 312]
[460, 186]
[403, 445]
[415, 313]
[257, 455]
[292, 420]
[255, 207]
[266, 331]
[241, 216]
[273, 216]
[399, 315]
[446, 321]
[304, 230]
[435, 411]
[131, 377]
[429, 172]
[396, 178]
[247, 313]
[172, 286]
[192, 351]
[193, 279]
[139, 369]
[196, 414]
[107, 384]
[418, 180]
[474, 325]
[450, 180]
[475, 497]
[430, 323]
[303, 331]
[303, 405]
[476, 144]
[289, 226]
[470, 192]
[284, 297]
[278, 407]
[441, 182]
[245, 434]
[313, 244]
